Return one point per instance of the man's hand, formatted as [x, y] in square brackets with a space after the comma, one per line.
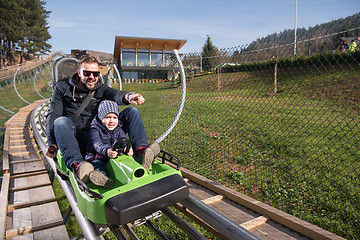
[51, 151]
[135, 98]
[111, 153]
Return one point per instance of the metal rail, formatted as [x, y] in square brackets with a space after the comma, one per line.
[225, 226]
[34, 79]
[14, 82]
[182, 99]
[88, 228]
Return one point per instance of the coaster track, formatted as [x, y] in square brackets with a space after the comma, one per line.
[223, 212]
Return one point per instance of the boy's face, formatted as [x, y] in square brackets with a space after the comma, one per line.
[110, 121]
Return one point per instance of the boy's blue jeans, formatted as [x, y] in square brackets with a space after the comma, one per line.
[72, 141]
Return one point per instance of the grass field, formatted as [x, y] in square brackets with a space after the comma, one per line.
[297, 150]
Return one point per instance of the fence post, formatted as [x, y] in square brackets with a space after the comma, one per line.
[275, 77]
[219, 76]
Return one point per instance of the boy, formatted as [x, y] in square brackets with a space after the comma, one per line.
[105, 130]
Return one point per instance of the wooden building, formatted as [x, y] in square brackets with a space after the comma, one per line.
[145, 58]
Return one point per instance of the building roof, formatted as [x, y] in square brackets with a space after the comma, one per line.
[146, 43]
[102, 57]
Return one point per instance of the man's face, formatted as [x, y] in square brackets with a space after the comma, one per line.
[86, 74]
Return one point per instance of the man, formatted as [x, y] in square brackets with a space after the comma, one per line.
[68, 129]
[346, 46]
[352, 47]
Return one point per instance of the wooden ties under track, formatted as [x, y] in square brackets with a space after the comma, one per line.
[28, 205]
[258, 218]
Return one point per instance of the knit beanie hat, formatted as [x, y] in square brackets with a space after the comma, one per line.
[106, 107]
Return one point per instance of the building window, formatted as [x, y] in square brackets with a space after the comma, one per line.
[168, 55]
[128, 57]
[156, 58]
[141, 75]
[156, 75]
[144, 74]
[129, 75]
[142, 57]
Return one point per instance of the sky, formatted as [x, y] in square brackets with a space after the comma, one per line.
[93, 24]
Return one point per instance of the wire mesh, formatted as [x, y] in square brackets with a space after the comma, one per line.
[279, 125]
[30, 79]
[276, 121]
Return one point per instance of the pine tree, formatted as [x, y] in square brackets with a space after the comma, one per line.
[209, 53]
[10, 28]
[23, 26]
[36, 29]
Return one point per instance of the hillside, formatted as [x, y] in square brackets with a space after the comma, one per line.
[320, 38]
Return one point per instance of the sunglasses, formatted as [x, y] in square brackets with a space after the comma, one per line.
[88, 73]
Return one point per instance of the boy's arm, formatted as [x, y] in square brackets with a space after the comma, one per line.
[97, 143]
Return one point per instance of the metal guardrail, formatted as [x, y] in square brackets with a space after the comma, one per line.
[88, 228]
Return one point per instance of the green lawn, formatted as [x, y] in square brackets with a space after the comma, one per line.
[297, 151]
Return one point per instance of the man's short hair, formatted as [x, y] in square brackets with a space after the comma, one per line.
[88, 59]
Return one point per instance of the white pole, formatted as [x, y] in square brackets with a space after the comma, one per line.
[295, 27]
[200, 56]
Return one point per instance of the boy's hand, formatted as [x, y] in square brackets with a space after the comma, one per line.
[111, 153]
[131, 152]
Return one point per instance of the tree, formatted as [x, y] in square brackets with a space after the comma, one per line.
[36, 27]
[23, 26]
[11, 25]
[209, 55]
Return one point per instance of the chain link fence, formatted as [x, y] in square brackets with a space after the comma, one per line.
[23, 84]
[276, 121]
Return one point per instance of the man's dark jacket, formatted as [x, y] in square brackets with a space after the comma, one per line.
[67, 98]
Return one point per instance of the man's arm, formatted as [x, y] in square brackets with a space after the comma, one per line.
[55, 111]
[122, 97]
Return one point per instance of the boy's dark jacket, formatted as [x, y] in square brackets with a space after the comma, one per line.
[101, 139]
[67, 98]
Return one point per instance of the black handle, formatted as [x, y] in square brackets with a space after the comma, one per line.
[117, 145]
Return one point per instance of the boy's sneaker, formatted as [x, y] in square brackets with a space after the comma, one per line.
[100, 179]
[83, 170]
[149, 153]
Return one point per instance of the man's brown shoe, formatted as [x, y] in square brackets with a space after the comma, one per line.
[150, 152]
